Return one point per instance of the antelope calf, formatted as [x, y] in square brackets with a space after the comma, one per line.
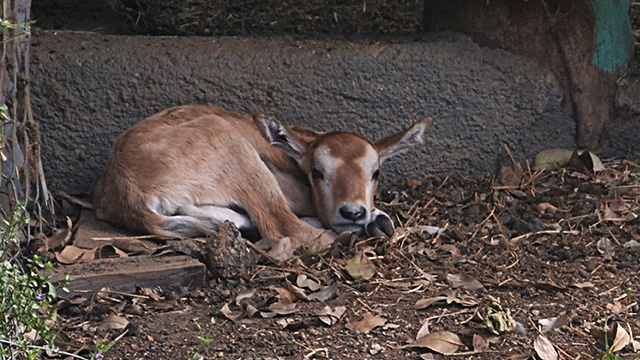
[186, 169]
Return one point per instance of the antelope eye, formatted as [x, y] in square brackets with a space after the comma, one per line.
[316, 174]
[376, 175]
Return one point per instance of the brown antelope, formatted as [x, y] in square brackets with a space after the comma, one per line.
[186, 169]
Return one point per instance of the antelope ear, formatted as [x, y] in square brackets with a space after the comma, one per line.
[292, 141]
[401, 142]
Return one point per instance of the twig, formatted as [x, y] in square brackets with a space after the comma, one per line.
[261, 252]
[315, 351]
[75, 200]
[113, 292]
[139, 237]
[11, 343]
[482, 224]
[545, 232]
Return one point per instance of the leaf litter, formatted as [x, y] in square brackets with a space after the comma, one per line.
[478, 267]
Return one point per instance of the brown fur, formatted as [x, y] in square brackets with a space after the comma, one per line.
[205, 156]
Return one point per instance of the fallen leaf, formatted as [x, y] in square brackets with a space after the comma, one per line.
[325, 294]
[110, 251]
[59, 238]
[424, 330]
[359, 267]
[613, 216]
[544, 348]
[425, 303]
[480, 343]
[464, 281]
[621, 339]
[584, 285]
[546, 207]
[554, 323]
[605, 247]
[552, 159]
[71, 254]
[279, 308]
[244, 296]
[291, 324]
[375, 348]
[511, 175]
[499, 320]
[233, 316]
[132, 245]
[297, 292]
[283, 294]
[615, 308]
[631, 244]
[442, 342]
[113, 322]
[303, 281]
[585, 161]
[368, 323]
[331, 316]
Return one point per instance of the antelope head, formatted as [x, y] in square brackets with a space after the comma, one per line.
[342, 169]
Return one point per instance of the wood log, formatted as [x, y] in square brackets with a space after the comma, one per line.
[124, 274]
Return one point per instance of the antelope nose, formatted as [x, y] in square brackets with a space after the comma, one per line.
[353, 213]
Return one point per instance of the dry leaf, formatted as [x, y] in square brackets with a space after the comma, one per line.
[480, 343]
[605, 247]
[424, 330]
[59, 238]
[615, 308]
[544, 348]
[375, 348]
[296, 291]
[303, 281]
[546, 207]
[425, 303]
[621, 339]
[243, 296]
[442, 342]
[464, 281]
[368, 323]
[554, 323]
[584, 285]
[132, 245]
[233, 316]
[291, 324]
[325, 294]
[283, 294]
[552, 159]
[511, 175]
[72, 254]
[279, 308]
[360, 267]
[110, 251]
[331, 316]
[113, 322]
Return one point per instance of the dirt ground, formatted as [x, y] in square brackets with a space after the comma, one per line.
[490, 265]
[549, 254]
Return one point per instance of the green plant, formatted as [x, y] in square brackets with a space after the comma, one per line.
[207, 336]
[25, 294]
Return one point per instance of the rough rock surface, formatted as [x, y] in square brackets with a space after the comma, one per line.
[88, 88]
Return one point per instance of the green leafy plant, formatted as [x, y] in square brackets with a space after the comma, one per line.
[25, 295]
[207, 336]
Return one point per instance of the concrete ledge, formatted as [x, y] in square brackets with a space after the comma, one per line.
[88, 88]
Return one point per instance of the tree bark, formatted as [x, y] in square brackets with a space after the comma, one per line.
[21, 175]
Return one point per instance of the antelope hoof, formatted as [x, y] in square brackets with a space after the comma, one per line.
[381, 226]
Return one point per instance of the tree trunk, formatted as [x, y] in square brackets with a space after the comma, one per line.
[21, 176]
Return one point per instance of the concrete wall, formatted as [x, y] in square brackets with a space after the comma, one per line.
[88, 88]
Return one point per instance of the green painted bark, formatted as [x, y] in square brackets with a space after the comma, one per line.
[613, 36]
